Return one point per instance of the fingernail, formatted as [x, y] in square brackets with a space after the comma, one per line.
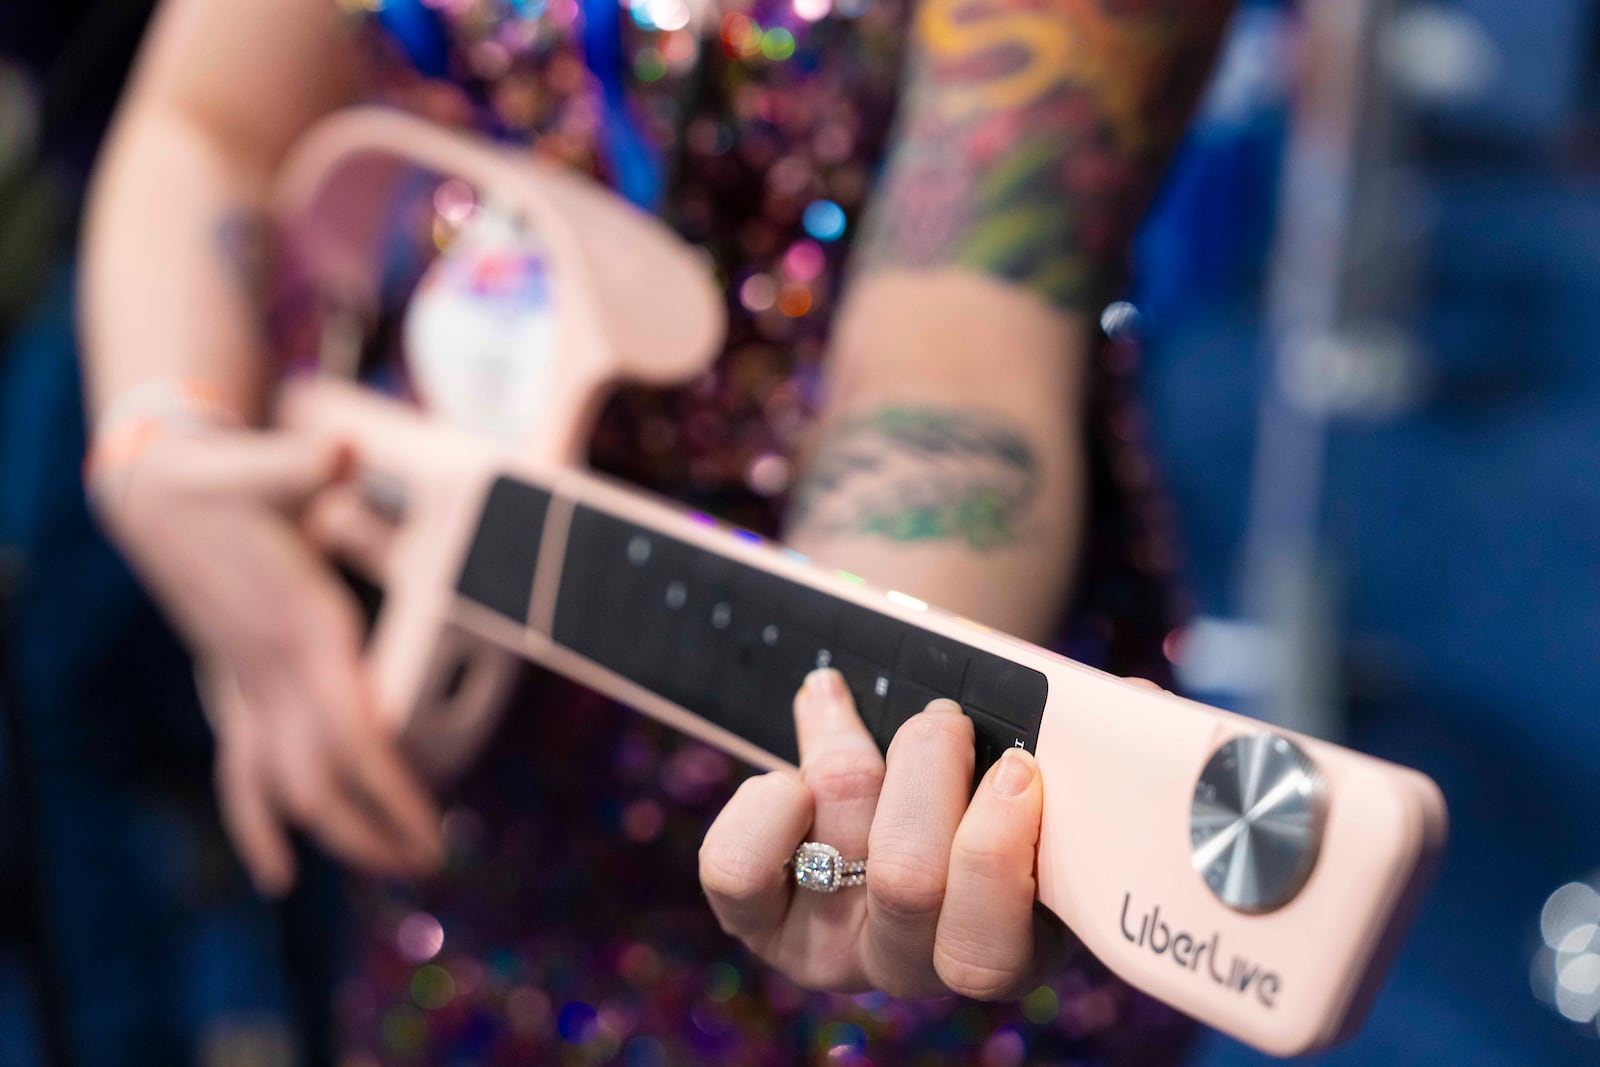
[1013, 774]
[943, 706]
[827, 685]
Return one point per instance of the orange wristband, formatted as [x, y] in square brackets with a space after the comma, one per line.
[158, 408]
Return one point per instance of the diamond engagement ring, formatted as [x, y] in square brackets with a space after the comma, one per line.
[821, 869]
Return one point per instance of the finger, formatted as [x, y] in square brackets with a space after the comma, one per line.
[341, 524]
[307, 786]
[253, 827]
[360, 757]
[374, 772]
[343, 827]
[242, 796]
[841, 767]
[222, 702]
[839, 762]
[286, 470]
[924, 794]
[986, 944]
[364, 754]
[742, 858]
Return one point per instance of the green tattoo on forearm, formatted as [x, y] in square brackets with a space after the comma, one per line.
[1033, 133]
[920, 474]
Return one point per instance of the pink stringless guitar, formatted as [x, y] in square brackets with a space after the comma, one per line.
[1253, 878]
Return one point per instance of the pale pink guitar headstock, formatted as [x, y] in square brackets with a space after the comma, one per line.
[632, 303]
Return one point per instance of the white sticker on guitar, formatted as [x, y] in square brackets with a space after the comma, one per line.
[480, 333]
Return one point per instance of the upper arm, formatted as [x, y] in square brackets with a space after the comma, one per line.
[251, 73]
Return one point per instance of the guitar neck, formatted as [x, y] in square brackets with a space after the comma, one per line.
[722, 625]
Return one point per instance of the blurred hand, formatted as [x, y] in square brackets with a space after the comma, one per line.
[213, 524]
[948, 905]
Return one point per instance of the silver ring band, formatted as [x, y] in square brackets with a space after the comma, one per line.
[822, 869]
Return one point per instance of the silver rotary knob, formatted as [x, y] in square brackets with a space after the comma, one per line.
[1255, 826]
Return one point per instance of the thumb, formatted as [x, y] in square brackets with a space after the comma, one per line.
[287, 470]
[986, 945]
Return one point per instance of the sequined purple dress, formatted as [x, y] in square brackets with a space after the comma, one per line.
[570, 927]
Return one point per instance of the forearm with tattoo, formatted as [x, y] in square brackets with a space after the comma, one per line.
[918, 474]
[1032, 134]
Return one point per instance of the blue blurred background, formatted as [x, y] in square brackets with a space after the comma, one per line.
[1462, 529]
[1458, 540]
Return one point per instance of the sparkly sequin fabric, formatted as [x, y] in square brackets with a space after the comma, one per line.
[569, 927]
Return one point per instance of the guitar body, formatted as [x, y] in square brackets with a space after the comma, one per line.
[1256, 880]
